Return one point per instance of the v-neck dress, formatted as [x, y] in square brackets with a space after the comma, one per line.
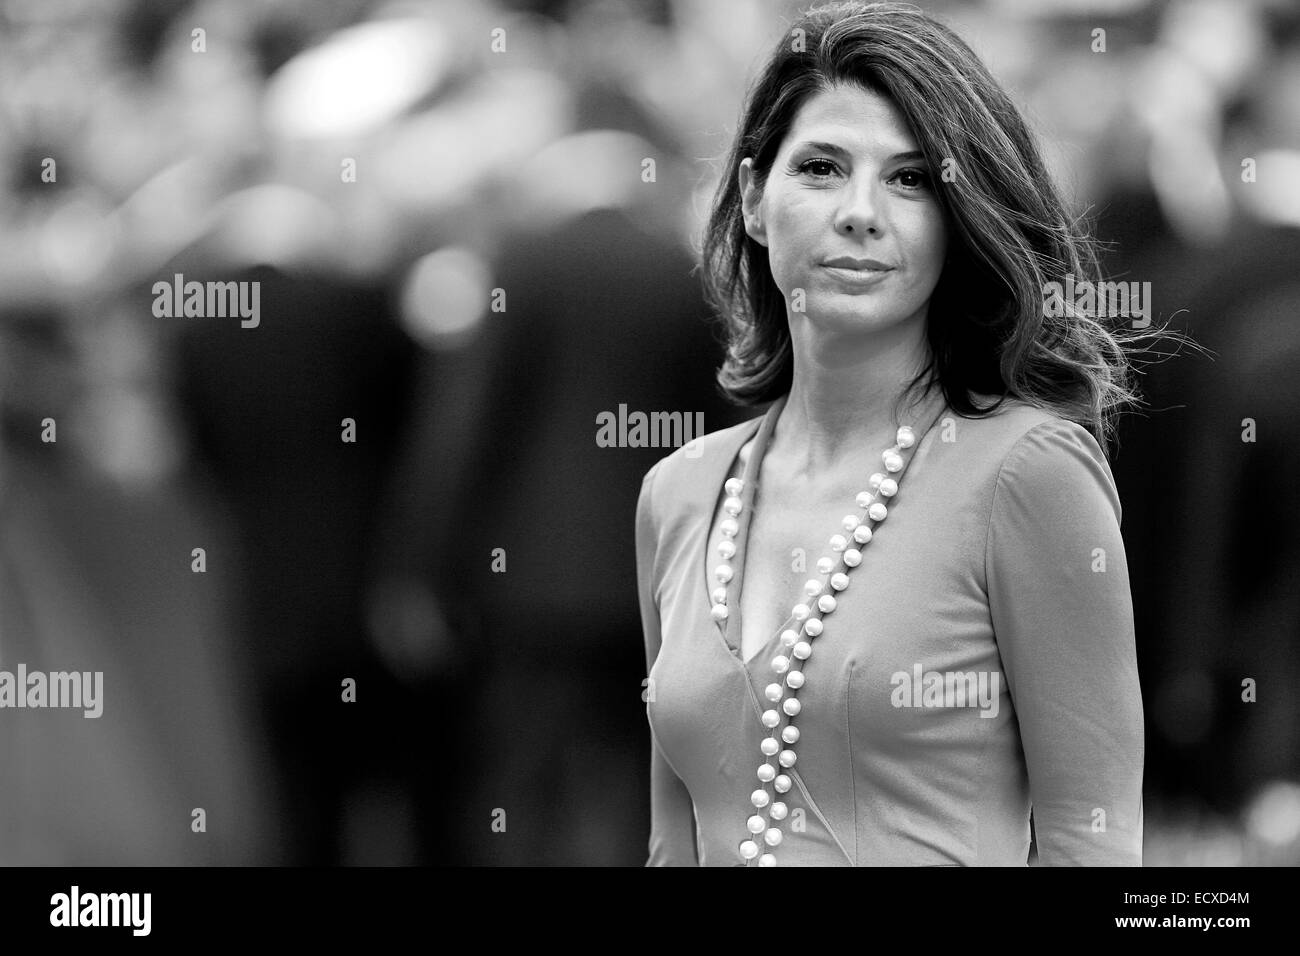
[980, 665]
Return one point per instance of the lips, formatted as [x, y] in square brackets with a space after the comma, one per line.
[857, 277]
[849, 262]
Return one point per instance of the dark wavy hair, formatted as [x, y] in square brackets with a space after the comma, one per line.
[1010, 232]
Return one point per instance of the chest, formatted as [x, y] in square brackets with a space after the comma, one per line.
[782, 550]
[913, 608]
[786, 533]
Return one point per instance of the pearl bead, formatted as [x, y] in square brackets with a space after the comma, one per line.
[786, 759]
[719, 595]
[727, 549]
[826, 602]
[733, 487]
[724, 573]
[874, 481]
[772, 836]
[773, 692]
[790, 734]
[770, 718]
[802, 650]
[767, 859]
[839, 542]
[839, 581]
[791, 706]
[732, 506]
[759, 798]
[825, 565]
[755, 824]
[800, 612]
[852, 557]
[864, 499]
[766, 772]
[906, 437]
[794, 680]
[769, 746]
[719, 612]
[782, 784]
[729, 527]
[878, 512]
[862, 534]
[749, 849]
[788, 637]
[812, 588]
[781, 663]
[849, 522]
[812, 627]
[893, 462]
[779, 811]
[889, 487]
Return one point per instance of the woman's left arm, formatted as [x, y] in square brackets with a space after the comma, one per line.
[1063, 618]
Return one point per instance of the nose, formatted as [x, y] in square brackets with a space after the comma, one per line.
[858, 213]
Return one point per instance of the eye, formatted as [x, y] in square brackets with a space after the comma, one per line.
[912, 178]
[818, 168]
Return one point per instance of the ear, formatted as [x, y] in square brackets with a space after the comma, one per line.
[751, 202]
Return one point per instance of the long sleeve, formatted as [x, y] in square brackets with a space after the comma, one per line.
[672, 814]
[1062, 616]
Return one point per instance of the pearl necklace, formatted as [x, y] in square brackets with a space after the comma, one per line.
[788, 666]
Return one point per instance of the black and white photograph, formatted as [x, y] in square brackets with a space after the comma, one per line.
[649, 433]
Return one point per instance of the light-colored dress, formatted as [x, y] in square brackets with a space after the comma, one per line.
[981, 662]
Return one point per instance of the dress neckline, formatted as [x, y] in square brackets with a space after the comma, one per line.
[934, 404]
[733, 624]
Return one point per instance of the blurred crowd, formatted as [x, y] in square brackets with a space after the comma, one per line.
[473, 225]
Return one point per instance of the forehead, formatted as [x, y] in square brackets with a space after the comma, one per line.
[857, 119]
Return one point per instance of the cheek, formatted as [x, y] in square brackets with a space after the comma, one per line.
[925, 237]
[792, 227]
[783, 261]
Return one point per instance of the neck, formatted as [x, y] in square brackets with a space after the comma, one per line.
[845, 394]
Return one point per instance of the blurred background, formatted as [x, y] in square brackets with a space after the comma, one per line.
[473, 228]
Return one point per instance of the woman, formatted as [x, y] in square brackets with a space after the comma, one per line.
[889, 620]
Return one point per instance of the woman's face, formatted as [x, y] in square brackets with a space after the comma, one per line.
[848, 215]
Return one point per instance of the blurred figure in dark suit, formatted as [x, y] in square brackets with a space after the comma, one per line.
[600, 311]
[1212, 528]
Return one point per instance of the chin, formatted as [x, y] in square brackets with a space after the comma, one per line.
[853, 313]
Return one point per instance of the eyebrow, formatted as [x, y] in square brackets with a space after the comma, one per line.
[841, 151]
